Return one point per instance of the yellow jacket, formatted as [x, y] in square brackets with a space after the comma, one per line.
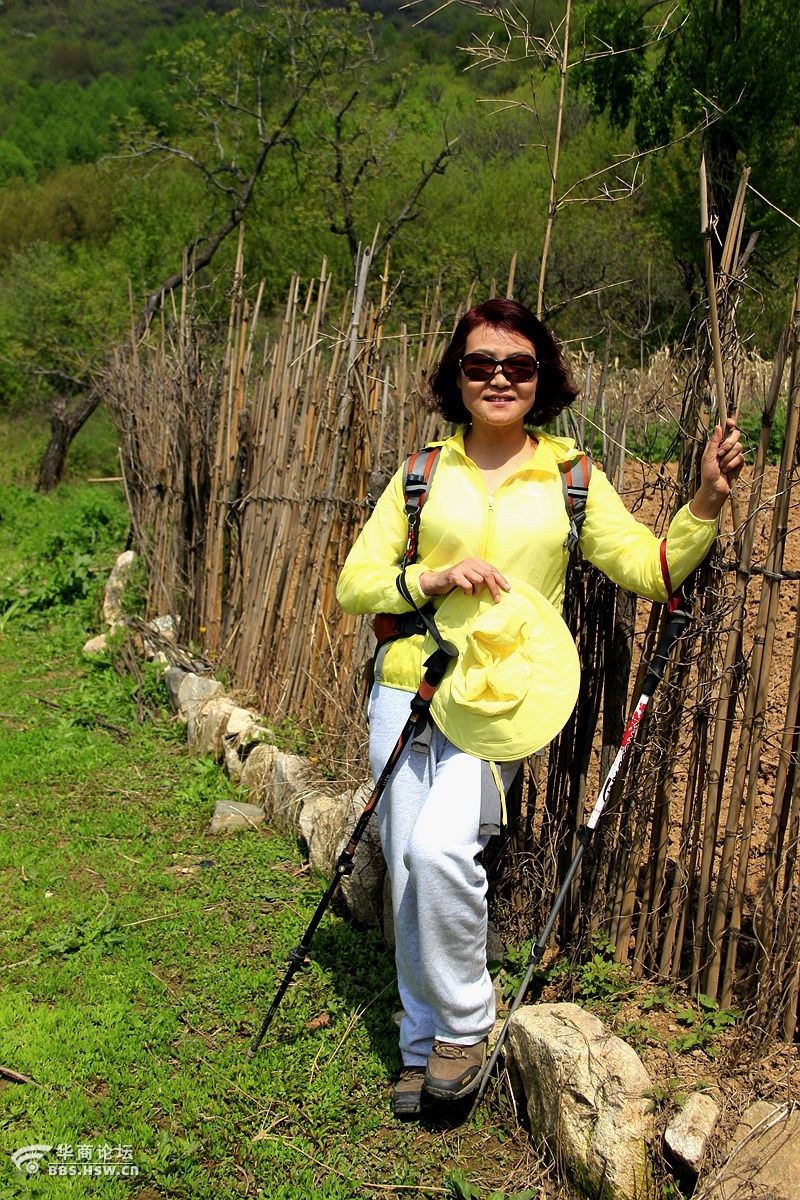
[521, 530]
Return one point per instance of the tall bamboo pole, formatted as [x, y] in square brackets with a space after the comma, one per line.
[755, 707]
[711, 289]
[552, 203]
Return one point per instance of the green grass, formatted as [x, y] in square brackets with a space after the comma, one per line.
[138, 954]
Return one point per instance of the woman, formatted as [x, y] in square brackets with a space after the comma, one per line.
[494, 520]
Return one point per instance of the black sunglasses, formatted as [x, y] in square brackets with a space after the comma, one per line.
[517, 368]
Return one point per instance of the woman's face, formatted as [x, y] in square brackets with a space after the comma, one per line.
[497, 402]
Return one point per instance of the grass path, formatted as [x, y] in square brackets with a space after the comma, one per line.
[138, 954]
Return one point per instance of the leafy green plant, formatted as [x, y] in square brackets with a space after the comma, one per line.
[63, 549]
[663, 997]
[512, 969]
[704, 1020]
[665, 1097]
[599, 979]
[654, 442]
[103, 935]
[637, 1033]
[298, 738]
[750, 425]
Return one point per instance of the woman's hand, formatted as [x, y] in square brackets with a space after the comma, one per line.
[471, 574]
[722, 461]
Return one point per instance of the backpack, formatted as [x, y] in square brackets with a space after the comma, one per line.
[418, 473]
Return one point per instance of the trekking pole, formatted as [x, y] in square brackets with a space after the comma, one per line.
[435, 668]
[677, 622]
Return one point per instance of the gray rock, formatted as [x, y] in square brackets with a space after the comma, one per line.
[193, 692]
[763, 1161]
[283, 788]
[321, 820]
[165, 627]
[363, 889]
[243, 733]
[586, 1098]
[257, 777]
[230, 814]
[279, 782]
[96, 645]
[689, 1133]
[115, 587]
[326, 823]
[206, 729]
[282, 782]
[173, 678]
[159, 633]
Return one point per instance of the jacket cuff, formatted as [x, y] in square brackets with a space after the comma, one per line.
[413, 572]
[701, 520]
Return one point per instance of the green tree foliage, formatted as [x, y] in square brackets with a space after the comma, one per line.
[61, 120]
[613, 80]
[131, 132]
[80, 40]
[70, 247]
[58, 308]
[289, 112]
[60, 123]
[731, 63]
[14, 164]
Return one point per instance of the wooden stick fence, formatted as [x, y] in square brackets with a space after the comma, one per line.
[250, 473]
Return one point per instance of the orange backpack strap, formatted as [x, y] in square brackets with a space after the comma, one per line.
[417, 478]
[418, 472]
[575, 476]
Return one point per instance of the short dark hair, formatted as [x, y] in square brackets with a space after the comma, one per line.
[555, 391]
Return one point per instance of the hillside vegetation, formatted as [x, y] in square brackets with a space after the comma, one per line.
[130, 132]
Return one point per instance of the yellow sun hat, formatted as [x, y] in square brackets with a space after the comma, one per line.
[516, 679]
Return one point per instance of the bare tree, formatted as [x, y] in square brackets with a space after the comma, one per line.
[266, 90]
[356, 152]
[66, 423]
[513, 39]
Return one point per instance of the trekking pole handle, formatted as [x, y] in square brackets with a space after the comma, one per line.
[676, 624]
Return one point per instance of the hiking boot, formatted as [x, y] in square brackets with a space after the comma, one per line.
[407, 1092]
[454, 1071]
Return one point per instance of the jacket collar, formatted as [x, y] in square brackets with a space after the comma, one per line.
[550, 452]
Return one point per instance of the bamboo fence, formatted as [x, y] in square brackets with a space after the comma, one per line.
[248, 477]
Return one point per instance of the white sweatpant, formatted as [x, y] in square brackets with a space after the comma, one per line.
[429, 819]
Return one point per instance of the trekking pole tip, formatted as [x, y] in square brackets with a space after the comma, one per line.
[253, 1048]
